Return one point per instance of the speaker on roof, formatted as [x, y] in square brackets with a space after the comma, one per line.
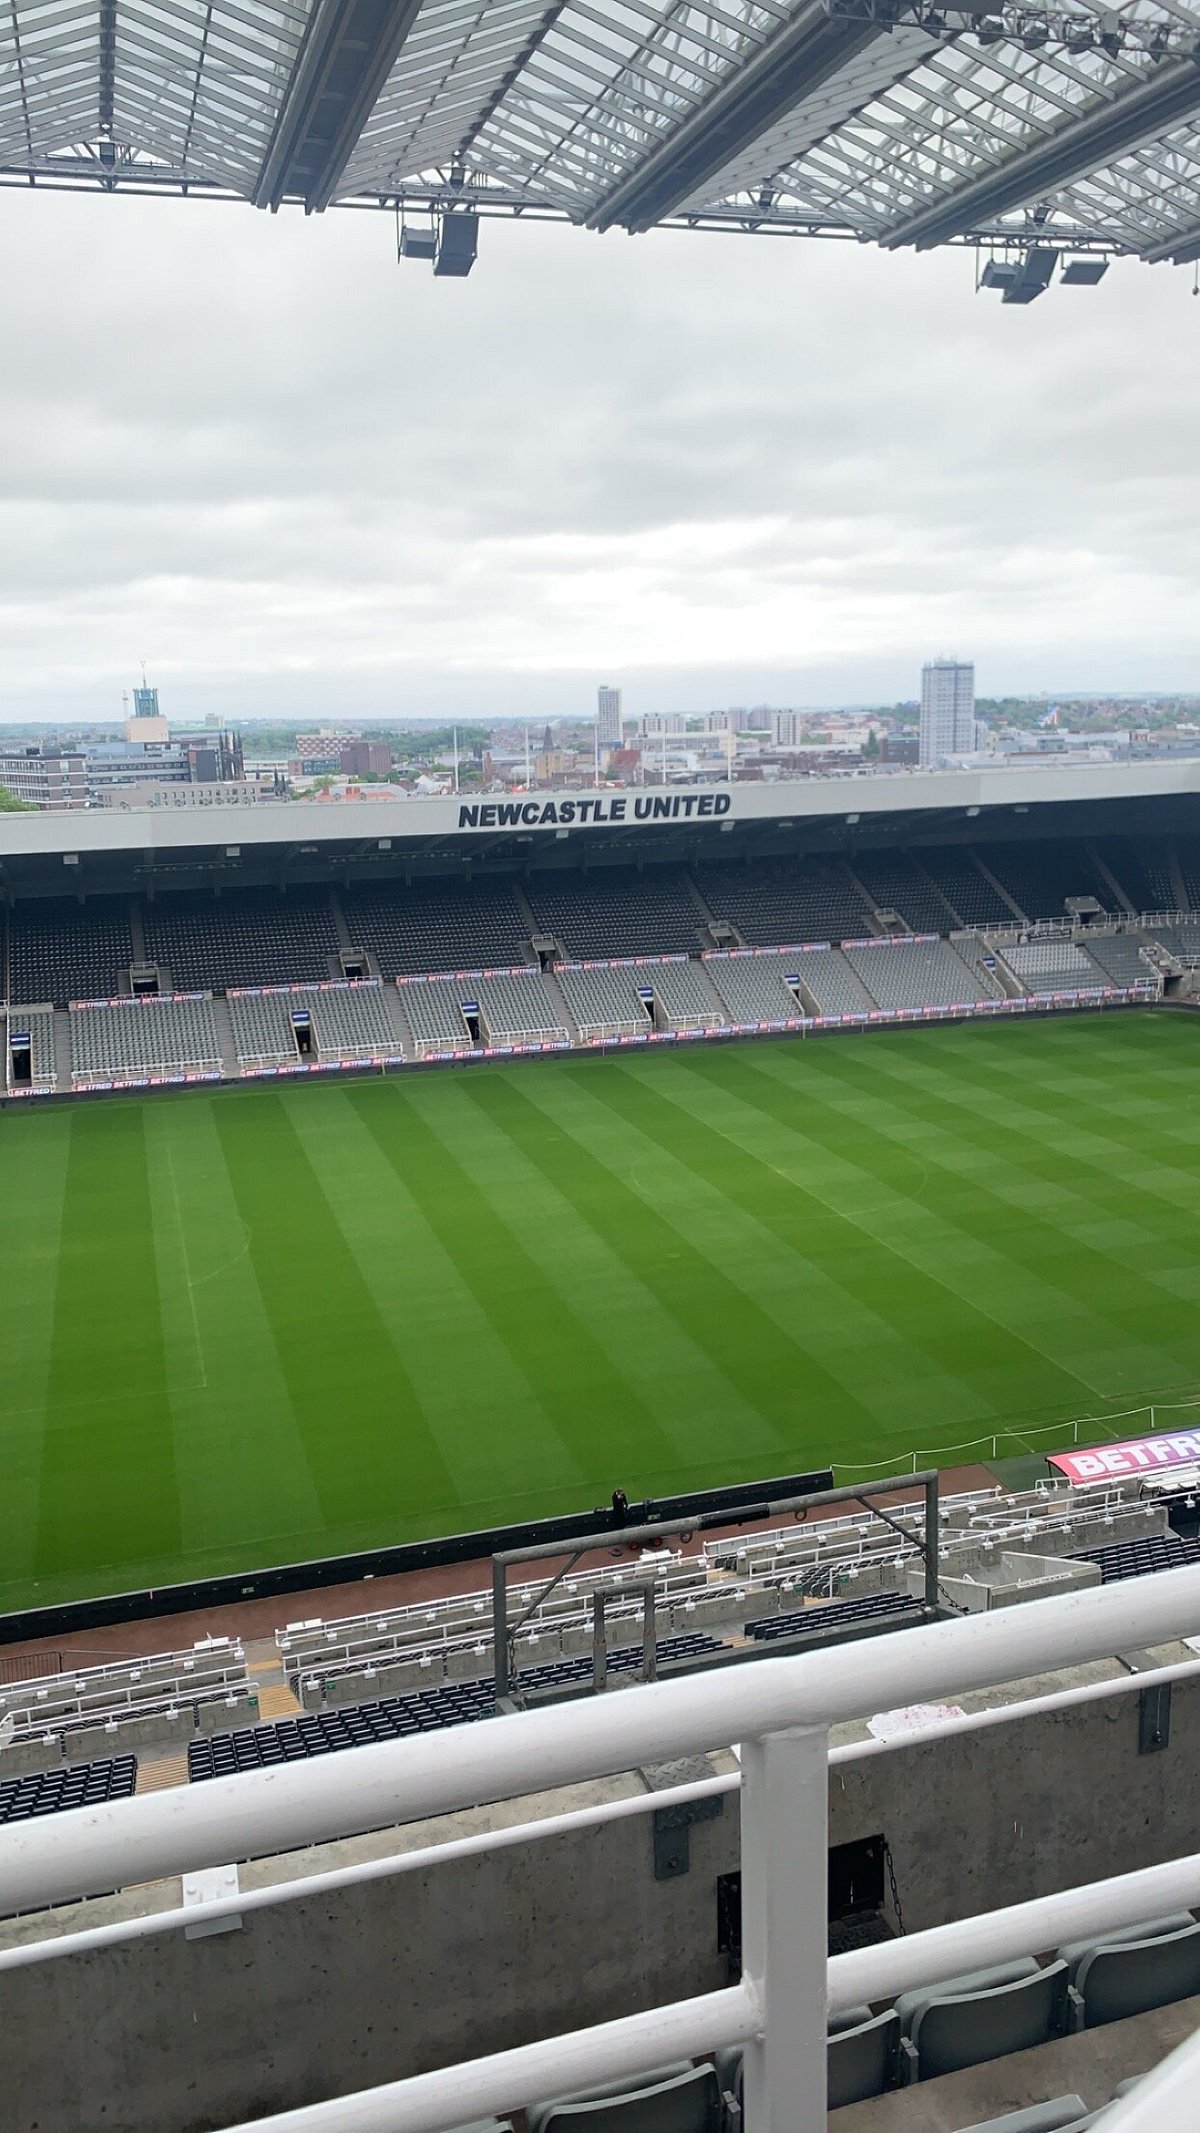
[457, 242]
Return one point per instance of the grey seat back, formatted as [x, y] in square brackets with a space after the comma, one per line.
[864, 2061]
[687, 2102]
[1130, 1977]
[966, 2028]
[1060, 2115]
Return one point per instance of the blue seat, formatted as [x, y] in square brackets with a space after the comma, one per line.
[983, 2015]
[674, 2099]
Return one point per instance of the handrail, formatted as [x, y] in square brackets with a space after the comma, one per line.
[779, 1710]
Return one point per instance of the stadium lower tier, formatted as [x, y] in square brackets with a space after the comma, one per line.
[141, 1040]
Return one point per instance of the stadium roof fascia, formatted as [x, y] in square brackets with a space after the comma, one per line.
[287, 830]
[1108, 129]
[799, 59]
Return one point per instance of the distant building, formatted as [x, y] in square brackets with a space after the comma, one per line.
[45, 778]
[899, 748]
[663, 723]
[947, 709]
[608, 717]
[788, 729]
[147, 722]
[366, 759]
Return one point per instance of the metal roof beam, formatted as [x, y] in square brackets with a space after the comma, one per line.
[1111, 128]
[1181, 249]
[349, 50]
[797, 60]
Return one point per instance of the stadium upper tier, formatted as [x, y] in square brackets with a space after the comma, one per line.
[1048, 129]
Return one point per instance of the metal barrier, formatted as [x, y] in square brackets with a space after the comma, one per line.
[780, 1711]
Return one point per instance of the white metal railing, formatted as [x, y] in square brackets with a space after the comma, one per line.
[780, 1711]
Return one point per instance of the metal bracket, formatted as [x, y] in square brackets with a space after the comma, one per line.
[672, 1835]
[1154, 1719]
[673, 1825]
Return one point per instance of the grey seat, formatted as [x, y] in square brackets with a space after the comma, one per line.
[863, 2057]
[677, 2099]
[983, 2015]
[1063, 2114]
[1129, 1972]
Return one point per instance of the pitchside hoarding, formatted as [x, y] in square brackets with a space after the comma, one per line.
[1137, 1455]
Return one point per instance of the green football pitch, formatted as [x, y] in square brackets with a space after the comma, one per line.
[255, 1326]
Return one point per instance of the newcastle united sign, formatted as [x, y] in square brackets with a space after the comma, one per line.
[583, 813]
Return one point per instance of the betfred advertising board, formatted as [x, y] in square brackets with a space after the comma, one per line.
[1136, 1456]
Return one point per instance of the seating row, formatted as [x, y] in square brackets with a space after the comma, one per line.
[51, 1792]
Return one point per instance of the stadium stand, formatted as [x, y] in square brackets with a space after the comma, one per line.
[682, 1000]
[52, 1792]
[126, 1040]
[251, 937]
[954, 871]
[784, 900]
[1041, 876]
[438, 925]
[395, 1717]
[1187, 853]
[347, 1021]
[38, 1025]
[54, 1710]
[1051, 966]
[604, 1001]
[1139, 1558]
[515, 1008]
[434, 1013]
[754, 988]
[1121, 958]
[63, 951]
[617, 911]
[915, 974]
[1141, 871]
[833, 985]
[896, 881]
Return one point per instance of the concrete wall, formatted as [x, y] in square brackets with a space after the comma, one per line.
[327, 1995]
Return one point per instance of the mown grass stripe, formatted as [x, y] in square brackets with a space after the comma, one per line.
[1052, 1299]
[951, 1340]
[773, 1370]
[108, 1491]
[577, 1379]
[458, 1350]
[33, 1178]
[373, 1454]
[245, 1485]
[686, 1397]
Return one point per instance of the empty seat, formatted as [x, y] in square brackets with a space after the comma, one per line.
[863, 2056]
[983, 2015]
[1129, 1972]
[675, 2099]
[1063, 2114]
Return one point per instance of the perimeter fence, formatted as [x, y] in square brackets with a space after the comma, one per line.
[1013, 1440]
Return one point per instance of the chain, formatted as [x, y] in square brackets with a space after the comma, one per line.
[894, 1890]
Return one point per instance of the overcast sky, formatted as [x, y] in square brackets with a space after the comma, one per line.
[294, 476]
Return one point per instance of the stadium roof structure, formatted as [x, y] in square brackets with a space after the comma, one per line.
[81, 853]
[1040, 131]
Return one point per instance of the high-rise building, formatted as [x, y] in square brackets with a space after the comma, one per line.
[947, 709]
[608, 716]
